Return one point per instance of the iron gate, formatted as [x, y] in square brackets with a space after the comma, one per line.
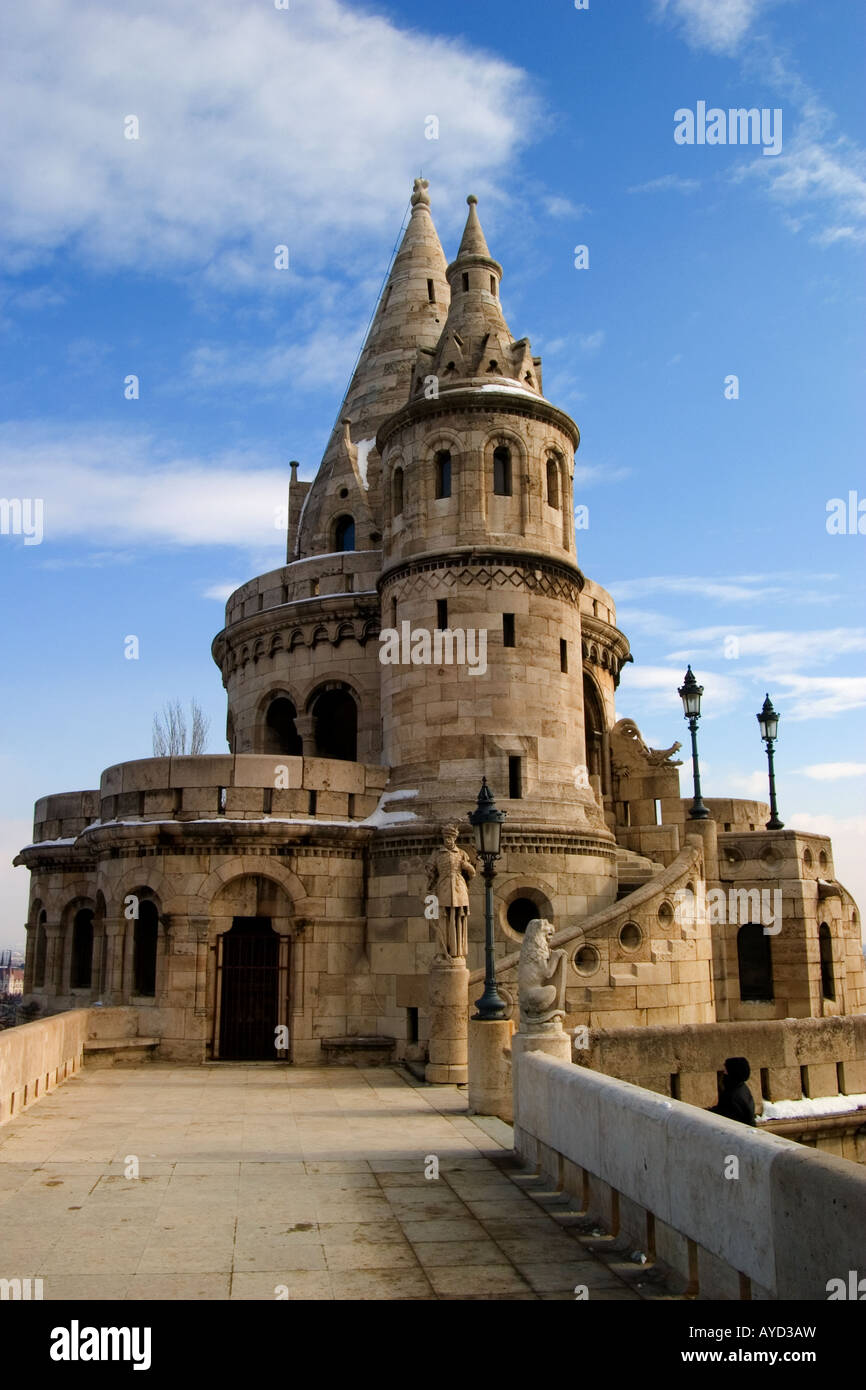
[252, 991]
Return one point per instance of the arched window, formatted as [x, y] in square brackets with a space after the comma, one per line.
[502, 471]
[335, 724]
[397, 492]
[755, 964]
[144, 940]
[81, 972]
[281, 734]
[344, 533]
[552, 483]
[828, 980]
[443, 473]
[40, 953]
[593, 730]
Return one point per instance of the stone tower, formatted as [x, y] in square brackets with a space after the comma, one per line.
[477, 470]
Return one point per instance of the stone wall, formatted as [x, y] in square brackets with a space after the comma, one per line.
[37, 1057]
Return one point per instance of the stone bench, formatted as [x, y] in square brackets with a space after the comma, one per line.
[368, 1051]
[105, 1052]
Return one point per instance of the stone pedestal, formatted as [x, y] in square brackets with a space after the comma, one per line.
[547, 1037]
[448, 989]
[490, 1067]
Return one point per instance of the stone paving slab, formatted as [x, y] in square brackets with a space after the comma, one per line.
[266, 1181]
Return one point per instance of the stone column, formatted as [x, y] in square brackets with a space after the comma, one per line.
[115, 932]
[199, 930]
[30, 956]
[53, 959]
[448, 989]
[304, 723]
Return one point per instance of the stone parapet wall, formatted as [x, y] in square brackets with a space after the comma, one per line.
[658, 1174]
[37, 1057]
[826, 1055]
[239, 787]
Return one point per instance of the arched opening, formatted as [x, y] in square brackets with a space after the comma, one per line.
[344, 533]
[502, 471]
[755, 964]
[41, 952]
[443, 473]
[81, 969]
[552, 483]
[335, 725]
[280, 731]
[249, 974]
[593, 728]
[828, 979]
[144, 943]
[397, 492]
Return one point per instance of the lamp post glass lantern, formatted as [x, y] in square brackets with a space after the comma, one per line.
[690, 693]
[486, 822]
[768, 721]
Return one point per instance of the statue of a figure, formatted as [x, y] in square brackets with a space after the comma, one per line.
[540, 978]
[448, 872]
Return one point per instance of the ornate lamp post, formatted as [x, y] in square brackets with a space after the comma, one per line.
[690, 693]
[486, 822]
[769, 722]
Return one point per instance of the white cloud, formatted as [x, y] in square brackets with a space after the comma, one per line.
[258, 126]
[221, 592]
[774, 648]
[659, 685]
[736, 589]
[818, 697]
[324, 359]
[563, 207]
[591, 342]
[718, 25]
[832, 772]
[114, 488]
[667, 183]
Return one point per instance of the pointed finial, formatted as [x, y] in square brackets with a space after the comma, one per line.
[420, 194]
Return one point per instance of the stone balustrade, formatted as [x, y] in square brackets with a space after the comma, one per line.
[735, 1212]
[37, 1057]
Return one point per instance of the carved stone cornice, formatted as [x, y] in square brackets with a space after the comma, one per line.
[540, 574]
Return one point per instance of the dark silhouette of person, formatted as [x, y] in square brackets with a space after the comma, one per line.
[735, 1098]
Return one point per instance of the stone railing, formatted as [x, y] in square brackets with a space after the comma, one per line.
[351, 571]
[244, 786]
[735, 1212]
[37, 1057]
[789, 1057]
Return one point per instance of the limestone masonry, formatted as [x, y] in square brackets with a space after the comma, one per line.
[270, 902]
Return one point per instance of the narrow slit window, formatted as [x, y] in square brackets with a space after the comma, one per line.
[493, 285]
[502, 472]
[508, 639]
[397, 491]
[442, 614]
[443, 473]
[563, 654]
[552, 483]
[515, 777]
[431, 293]
[465, 280]
[312, 803]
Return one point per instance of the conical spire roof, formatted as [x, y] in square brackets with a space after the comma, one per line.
[410, 315]
[476, 341]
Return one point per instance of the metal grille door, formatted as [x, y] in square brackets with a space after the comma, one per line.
[249, 990]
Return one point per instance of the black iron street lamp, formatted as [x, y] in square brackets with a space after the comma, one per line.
[769, 722]
[486, 822]
[690, 693]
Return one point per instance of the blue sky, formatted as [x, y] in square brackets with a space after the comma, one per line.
[305, 127]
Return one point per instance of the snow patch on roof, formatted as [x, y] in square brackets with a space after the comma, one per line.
[383, 817]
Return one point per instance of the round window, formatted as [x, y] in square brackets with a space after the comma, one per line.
[666, 914]
[807, 858]
[587, 960]
[630, 936]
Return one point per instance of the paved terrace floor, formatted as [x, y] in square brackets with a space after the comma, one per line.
[255, 1176]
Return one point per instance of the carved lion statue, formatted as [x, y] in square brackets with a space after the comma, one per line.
[540, 977]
